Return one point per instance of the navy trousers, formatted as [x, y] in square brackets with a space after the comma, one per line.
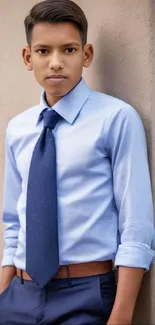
[76, 301]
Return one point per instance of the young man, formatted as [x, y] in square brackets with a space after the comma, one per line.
[77, 189]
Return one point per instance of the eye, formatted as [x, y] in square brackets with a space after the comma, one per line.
[70, 50]
[42, 51]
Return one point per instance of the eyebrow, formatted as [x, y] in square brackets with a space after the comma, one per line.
[63, 45]
[71, 44]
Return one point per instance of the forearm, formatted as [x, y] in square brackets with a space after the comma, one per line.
[129, 281]
[8, 273]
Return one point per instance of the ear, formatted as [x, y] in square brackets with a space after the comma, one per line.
[26, 54]
[88, 55]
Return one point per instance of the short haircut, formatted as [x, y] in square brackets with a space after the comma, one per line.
[56, 11]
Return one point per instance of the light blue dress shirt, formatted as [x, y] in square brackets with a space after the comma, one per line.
[105, 208]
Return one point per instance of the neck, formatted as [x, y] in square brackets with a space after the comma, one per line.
[51, 100]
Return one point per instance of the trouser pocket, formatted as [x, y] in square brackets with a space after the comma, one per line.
[107, 293]
[21, 304]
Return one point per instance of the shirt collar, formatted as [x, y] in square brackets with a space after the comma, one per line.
[70, 105]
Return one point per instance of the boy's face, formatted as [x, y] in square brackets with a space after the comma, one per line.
[57, 58]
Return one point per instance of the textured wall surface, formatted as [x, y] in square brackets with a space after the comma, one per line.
[123, 34]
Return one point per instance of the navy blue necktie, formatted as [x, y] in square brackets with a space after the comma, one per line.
[42, 258]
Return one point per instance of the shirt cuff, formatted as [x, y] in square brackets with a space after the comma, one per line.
[134, 255]
[8, 258]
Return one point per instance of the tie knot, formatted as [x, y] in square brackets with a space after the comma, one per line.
[51, 118]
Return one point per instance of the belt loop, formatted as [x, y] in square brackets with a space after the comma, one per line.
[21, 277]
[68, 276]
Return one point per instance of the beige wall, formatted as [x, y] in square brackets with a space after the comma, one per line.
[123, 33]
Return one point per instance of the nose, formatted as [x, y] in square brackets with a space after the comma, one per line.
[55, 62]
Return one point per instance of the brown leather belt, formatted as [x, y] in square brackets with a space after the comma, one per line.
[76, 270]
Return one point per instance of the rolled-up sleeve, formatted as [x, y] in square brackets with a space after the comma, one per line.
[132, 189]
[12, 190]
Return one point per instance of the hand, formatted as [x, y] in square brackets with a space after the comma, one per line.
[8, 273]
[3, 287]
[119, 320]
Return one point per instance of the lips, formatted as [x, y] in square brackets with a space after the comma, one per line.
[53, 76]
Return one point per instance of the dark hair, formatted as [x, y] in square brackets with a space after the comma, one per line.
[56, 11]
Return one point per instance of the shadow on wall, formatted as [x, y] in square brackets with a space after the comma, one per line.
[120, 67]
